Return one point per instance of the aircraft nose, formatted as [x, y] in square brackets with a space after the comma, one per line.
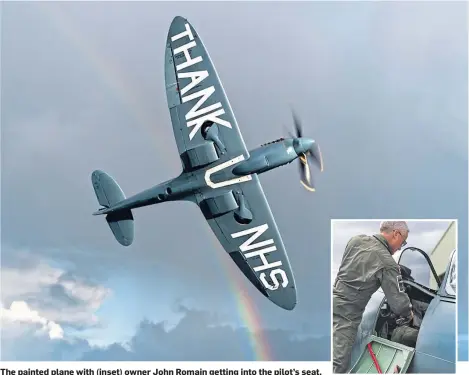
[303, 145]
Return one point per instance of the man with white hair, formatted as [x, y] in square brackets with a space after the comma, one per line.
[367, 265]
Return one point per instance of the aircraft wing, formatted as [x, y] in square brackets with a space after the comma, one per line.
[195, 94]
[256, 248]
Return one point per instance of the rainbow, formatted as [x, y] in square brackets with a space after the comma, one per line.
[115, 79]
[246, 308]
[108, 72]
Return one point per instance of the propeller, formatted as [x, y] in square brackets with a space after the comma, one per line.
[312, 155]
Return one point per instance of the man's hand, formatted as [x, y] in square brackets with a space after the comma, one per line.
[408, 320]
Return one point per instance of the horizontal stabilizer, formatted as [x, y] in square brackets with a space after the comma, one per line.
[109, 194]
[122, 226]
[107, 190]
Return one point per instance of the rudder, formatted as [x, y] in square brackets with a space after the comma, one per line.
[109, 193]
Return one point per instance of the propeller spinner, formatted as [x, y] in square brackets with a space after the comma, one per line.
[309, 153]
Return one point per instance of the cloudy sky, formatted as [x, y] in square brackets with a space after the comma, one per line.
[423, 235]
[381, 86]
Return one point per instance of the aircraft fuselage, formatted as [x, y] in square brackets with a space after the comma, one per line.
[261, 160]
[266, 158]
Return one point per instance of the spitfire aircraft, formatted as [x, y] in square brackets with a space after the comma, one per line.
[219, 173]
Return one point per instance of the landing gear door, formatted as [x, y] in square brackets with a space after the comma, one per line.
[383, 356]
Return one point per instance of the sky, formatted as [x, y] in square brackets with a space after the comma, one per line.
[382, 88]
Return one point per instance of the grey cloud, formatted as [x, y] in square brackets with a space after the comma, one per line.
[380, 86]
[196, 337]
[58, 295]
[29, 346]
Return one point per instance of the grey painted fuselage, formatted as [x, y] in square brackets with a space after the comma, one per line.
[189, 183]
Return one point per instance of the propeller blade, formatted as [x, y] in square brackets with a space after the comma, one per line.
[297, 123]
[316, 156]
[305, 173]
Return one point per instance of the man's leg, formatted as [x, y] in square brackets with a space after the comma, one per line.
[343, 333]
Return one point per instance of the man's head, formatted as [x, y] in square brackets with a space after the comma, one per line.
[396, 233]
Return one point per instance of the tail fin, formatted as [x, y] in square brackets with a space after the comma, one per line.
[109, 193]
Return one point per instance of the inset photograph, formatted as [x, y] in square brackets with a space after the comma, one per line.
[394, 296]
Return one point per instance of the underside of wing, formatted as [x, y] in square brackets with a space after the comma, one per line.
[243, 223]
[204, 126]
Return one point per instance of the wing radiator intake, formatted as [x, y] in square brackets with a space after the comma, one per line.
[109, 193]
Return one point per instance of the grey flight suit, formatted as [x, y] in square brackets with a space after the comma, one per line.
[367, 265]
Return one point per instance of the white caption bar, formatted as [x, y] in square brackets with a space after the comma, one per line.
[165, 368]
